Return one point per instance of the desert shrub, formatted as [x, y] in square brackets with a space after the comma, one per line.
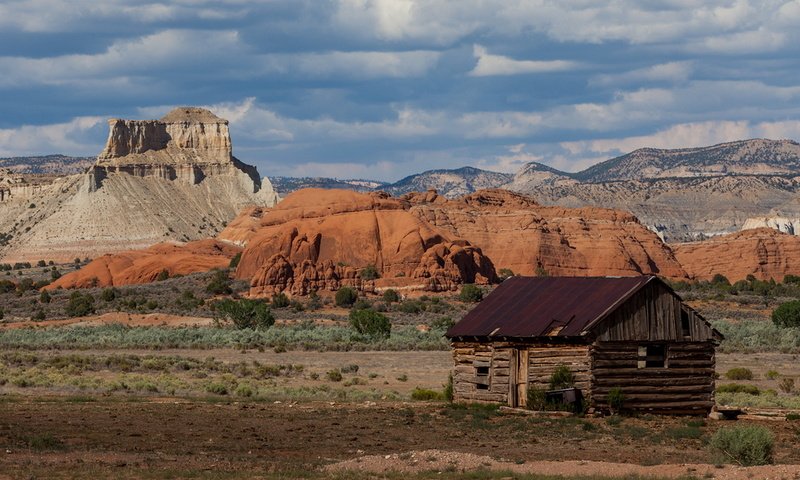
[447, 392]
[334, 375]
[391, 296]
[187, 301]
[108, 294]
[738, 388]
[352, 368]
[562, 377]
[442, 323]
[45, 297]
[370, 273]
[39, 316]
[362, 304]
[771, 374]
[425, 394]
[786, 385]
[55, 274]
[235, 261]
[25, 284]
[787, 314]
[280, 300]
[791, 279]
[537, 399]
[2, 313]
[162, 275]
[720, 279]
[80, 304]
[745, 445]
[244, 313]
[411, 306]
[244, 390]
[505, 273]
[220, 283]
[470, 293]
[7, 286]
[739, 373]
[217, 388]
[41, 263]
[370, 323]
[346, 296]
[616, 399]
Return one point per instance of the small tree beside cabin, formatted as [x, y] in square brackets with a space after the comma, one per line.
[617, 335]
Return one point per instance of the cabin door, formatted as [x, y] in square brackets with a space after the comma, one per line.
[518, 377]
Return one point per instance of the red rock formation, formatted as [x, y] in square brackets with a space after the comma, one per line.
[762, 252]
[321, 239]
[517, 233]
[244, 226]
[144, 266]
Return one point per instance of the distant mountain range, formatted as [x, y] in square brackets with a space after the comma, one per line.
[682, 194]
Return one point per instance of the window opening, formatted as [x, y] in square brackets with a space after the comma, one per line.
[652, 356]
[685, 324]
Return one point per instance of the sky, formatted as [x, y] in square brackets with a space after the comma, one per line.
[382, 89]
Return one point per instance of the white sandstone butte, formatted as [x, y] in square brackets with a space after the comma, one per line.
[173, 179]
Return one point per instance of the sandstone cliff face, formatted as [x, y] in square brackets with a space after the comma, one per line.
[762, 252]
[322, 239]
[168, 180]
[517, 233]
[144, 266]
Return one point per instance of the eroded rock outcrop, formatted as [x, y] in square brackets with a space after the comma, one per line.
[517, 233]
[144, 266]
[323, 239]
[173, 179]
[762, 252]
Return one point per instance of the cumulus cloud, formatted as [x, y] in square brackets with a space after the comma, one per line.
[670, 72]
[489, 65]
[78, 136]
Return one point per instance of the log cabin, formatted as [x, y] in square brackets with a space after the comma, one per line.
[634, 334]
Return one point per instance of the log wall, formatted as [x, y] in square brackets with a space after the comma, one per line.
[543, 359]
[684, 385]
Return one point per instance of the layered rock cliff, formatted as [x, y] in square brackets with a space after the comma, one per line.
[762, 252]
[173, 179]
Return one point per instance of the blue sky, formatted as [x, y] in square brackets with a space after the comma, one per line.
[384, 88]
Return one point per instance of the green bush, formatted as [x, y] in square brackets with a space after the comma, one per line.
[7, 286]
[411, 306]
[562, 377]
[505, 273]
[280, 300]
[616, 399]
[370, 272]
[771, 374]
[334, 375]
[470, 293]
[217, 388]
[44, 297]
[442, 323]
[739, 373]
[345, 297]
[738, 388]
[370, 323]
[162, 275]
[720, 279]
[108, 294]
[80, 304]
[39, 316]
[447, 392]
[235, 261]
[391, 296]
[425, 394]
[787, 314]
[220, 283]
[537, 399]
[745, 445]
[244, 313]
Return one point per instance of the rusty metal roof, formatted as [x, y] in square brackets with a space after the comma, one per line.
[547, 306]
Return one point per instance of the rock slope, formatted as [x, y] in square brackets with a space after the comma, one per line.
[173, 179]
[449, 183]
[762, 252]
[145, 265]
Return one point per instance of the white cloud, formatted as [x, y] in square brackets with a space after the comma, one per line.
[670, 72]
[73, 137]
[352, 64]
[489, 65]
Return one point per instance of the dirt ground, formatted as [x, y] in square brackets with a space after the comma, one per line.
[68, 437]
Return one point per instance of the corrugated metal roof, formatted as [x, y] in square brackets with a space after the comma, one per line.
[546, 306]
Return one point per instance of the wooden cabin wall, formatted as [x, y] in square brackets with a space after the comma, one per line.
[684, 385]
[543, 359]
[652, 314]
[466, 355]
